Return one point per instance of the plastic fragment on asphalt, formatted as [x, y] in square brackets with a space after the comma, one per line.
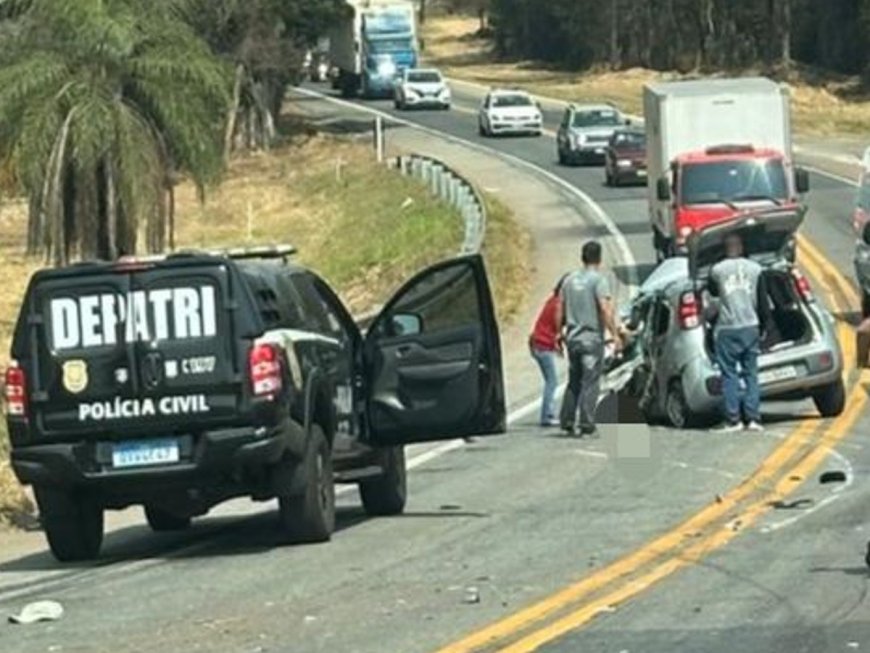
[853, 645]
[472, 596]
[38, 611]
[835, 476]
[310, 619]
[605, 609]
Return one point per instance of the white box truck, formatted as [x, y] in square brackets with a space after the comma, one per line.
[373, 43]
[716, 148]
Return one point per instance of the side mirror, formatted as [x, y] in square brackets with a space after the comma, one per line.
[802, 180]
[406, 324]
[663, 190]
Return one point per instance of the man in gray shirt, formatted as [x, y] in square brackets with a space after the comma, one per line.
[738, 283]
[584, 313]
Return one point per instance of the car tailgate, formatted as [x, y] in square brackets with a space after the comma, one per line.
[127, 352]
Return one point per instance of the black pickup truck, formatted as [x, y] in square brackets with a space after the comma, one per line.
[180, 382]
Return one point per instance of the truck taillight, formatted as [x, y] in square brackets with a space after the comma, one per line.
[803, 285]
[16, 391]
[264, 363]
[689, 311]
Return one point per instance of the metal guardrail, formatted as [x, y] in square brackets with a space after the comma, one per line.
[450, 186]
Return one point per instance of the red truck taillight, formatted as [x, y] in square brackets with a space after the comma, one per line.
[16, 391]
[264, 363]
[689, 311]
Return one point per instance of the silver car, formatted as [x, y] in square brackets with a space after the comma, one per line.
[585, 132]
[861, 223]
[675, 376]
[419, 87]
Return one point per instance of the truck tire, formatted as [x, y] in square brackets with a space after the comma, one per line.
[386, 494]
[310, 516]
[162, 521]
[73, 523]
[830, 400]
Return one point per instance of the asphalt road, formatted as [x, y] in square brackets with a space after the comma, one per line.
[511, 520]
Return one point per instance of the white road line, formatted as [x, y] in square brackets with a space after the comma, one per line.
[831, 175]
[624, 254]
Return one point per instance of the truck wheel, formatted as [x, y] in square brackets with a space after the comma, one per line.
[73, 524]
[310, 517]
[162, 521]
[830, 400]
[385, 495]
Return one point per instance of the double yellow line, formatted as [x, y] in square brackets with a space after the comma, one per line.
[793, 461]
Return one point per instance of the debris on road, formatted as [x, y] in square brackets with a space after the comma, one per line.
[472, 596]
[38, 611]
[835, 476]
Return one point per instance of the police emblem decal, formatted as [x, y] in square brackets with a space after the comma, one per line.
[75, 376]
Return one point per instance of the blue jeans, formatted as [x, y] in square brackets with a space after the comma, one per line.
[739, 347]
[546, 359]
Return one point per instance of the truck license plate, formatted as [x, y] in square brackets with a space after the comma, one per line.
[778, 374]
[144, 453]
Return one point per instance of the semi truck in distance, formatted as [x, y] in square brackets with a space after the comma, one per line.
[715, 149]
[373, 43]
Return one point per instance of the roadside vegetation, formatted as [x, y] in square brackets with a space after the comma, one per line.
[363, 227]
[824, 102]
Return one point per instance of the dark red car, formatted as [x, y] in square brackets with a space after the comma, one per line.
[625, 158]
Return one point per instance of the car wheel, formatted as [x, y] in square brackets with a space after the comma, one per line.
[830, 400]
[73, 523]
[310, 516]
[677, 407]
[386, 494]
[162, 521]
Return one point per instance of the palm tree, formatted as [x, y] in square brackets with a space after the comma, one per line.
[102, 104]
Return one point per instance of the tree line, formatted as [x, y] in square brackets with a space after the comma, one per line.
[681, 34]
[106, 104]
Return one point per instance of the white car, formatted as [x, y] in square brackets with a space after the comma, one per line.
[419, 87]
[510, 112]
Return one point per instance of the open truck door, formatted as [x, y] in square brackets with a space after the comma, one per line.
[433, 359]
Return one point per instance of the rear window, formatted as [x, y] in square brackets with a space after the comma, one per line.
[596, 118]
[516, 100]
[424, 78]
[629, 140]
[733, 181]
[100, 315]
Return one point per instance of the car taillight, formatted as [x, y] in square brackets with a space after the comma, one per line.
[689, 311]
[803, 285]
[16, 391]
[264, 363]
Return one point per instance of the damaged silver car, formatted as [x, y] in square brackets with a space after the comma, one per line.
[675, 376]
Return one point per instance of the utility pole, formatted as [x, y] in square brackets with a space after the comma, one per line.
[614, 34]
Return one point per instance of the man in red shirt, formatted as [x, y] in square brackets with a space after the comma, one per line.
[546, 349]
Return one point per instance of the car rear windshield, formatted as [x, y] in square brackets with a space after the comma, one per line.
[596, 118]
[633, 140]
[733, 181]
[424, 78]
[511, 101]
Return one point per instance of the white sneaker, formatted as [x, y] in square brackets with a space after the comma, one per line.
[728, 427]
[755, 427]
